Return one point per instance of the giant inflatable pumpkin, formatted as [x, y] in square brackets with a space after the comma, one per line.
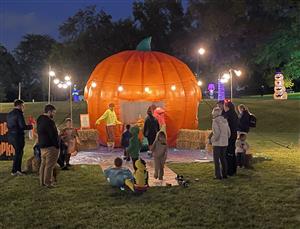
[134, 80]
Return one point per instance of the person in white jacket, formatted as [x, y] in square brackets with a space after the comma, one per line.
[219, 139]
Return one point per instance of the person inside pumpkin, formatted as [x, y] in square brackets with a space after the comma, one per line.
[111, 120]
[141, 176]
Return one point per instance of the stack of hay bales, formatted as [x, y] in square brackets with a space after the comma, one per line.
[192, 139]
[89, 139]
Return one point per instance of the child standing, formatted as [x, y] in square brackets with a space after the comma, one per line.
[242, 148]
[125, 142]
[135, 145]
[159, 149]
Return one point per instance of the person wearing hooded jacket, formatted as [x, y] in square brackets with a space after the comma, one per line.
[232, 119]
[151, 127]
[135, 145]
[244, 117]
[219, 139]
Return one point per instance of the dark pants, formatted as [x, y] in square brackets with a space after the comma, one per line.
[219, 157]
[248, 161]
[230, 156]
[64, 157]
[18, 142]
[240, 159]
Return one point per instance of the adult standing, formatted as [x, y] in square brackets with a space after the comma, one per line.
[244, 118]
[232, 118]
[151, 127]
[219, 139]
[49, 144]
[16, 137]
[111, 120]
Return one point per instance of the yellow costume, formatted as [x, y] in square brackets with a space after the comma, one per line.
[111, 120]
[140, 175]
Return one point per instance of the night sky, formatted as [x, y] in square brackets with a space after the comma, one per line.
[19, 17]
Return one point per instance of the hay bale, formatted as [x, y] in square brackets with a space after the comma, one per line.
[89, 139]
[192, 139]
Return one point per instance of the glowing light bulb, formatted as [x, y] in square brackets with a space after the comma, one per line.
[94, 84]
[67, 78]
[201, 51]
[52, 73]
[120, 88]
[56, 81]
[173, 87]
[199, 83]
[147, 89]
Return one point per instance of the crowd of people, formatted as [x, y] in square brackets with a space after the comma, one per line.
[228, 138]
[51, 146]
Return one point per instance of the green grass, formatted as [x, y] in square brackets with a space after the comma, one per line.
[266, 197]
[292, 96]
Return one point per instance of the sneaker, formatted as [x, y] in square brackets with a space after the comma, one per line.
[14, 174]
[19, 173]
[65, 168]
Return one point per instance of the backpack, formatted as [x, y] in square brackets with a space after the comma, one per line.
[252, 120]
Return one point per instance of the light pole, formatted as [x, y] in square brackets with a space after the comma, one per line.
[238, 73]
[50, 74]
[67, 83]
[201, 52]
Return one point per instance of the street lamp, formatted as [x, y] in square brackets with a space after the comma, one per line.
[237, 73]
[199, 83]
[201, 51]
[51, 73]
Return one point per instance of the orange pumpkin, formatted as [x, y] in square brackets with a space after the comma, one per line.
[143, 75]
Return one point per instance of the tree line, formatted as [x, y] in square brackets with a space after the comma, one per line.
[256, 36]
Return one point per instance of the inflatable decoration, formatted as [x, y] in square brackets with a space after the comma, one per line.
[221, 91]
[211, 89]
[75, 94]
[279, 88]
[134, 80]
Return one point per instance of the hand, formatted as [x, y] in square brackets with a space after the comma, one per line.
[97, 122]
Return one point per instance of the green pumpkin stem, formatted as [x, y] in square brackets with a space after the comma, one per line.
[144, 45]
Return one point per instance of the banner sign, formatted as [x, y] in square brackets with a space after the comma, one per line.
[84, 121]
[6, 150]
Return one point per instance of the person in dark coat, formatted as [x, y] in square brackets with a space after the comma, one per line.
[244, 117]
[232, 118]
[16, 137]
[49, 144]
[125, 142]
[151, 127]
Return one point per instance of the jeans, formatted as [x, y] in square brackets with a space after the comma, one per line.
[18, 142]
[219, 157]
[240, 159]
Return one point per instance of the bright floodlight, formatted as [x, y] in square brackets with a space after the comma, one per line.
[223, 80]
[56, 81]
[147, 89]
[94, 84]
[226, 76]
[60, 85]
[201, 51]
[173, 87]
[238, 72]
[67, 78]
[65, 86]
[69, 83]
[199, 83]
[51, 73]
[120, 88]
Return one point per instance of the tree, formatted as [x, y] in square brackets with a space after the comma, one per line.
[9, 75]
[32, 55]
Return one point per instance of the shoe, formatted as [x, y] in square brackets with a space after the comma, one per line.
[225, 177]
[68, 165]
[65, 168]
[19, 173]
[14, 174]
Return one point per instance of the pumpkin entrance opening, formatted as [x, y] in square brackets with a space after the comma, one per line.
[131, 112]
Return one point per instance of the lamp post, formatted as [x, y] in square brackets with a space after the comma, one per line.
[238, 73]
[50, 74]
[201, 52]
[67, 83]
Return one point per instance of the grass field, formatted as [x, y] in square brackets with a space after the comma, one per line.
[266, 197]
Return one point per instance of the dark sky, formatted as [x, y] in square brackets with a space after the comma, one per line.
[19, 17]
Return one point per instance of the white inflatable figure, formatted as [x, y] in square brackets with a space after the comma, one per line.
[279, 88]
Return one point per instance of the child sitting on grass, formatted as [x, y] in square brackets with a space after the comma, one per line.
[119, 176]
[125, 142]
[159, 149]
[241, 150]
